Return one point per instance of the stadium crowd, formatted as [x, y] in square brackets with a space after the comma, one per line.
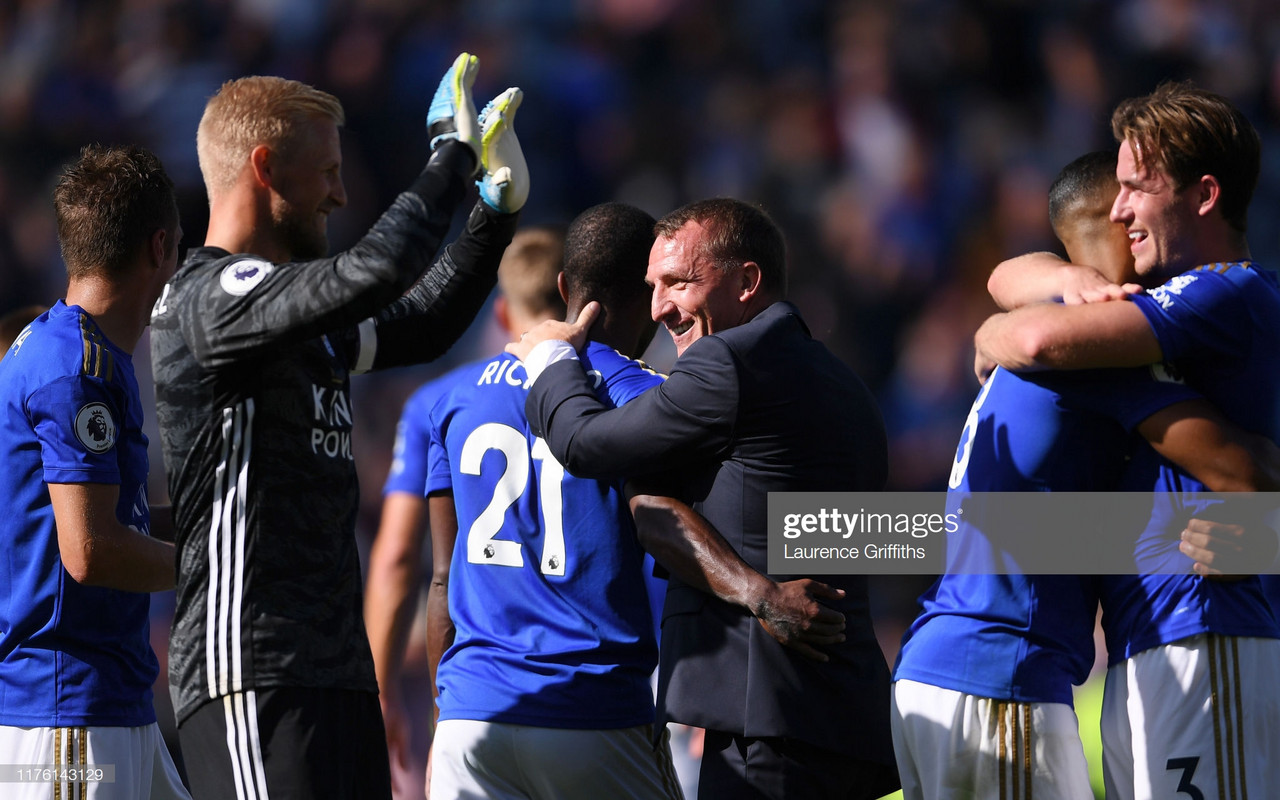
[904, 148]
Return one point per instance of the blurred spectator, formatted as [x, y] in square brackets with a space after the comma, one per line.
[903, 145]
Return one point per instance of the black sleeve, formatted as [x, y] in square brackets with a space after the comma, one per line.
[689, 417]
[300, 300]
[426, 322]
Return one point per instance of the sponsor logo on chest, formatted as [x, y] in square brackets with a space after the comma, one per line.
[331, 416]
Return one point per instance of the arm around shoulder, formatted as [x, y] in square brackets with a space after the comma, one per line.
[1052, 336]
[1026, 279]
[689, 416]
[1045, 278]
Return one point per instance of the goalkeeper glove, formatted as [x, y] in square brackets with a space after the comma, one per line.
[452, 114]
[504, 187]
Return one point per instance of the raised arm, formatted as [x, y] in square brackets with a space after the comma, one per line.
[429, 318]
[251, 303]
[439, 308]
[248, 304]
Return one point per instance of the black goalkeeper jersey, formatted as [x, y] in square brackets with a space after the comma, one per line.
[252, 363]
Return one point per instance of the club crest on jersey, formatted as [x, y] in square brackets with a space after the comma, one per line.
[240, 277]
[95, 428]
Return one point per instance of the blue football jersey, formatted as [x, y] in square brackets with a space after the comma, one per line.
[1021, 637]
[408, 471]
[1219, 331]
[69, 413]
[546, 591]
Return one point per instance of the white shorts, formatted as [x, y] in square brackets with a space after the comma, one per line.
[499, 761]
[954, 745]
[1199, 718]
[94, 763]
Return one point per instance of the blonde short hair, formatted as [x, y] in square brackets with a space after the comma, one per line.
[252, 111]
[529, 268]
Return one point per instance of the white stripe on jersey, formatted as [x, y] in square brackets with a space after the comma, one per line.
[368, 347]
[226, 570]
[222, 590]
[241, 517]
[211, 598]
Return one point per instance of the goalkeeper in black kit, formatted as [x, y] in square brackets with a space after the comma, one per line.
[253, 344]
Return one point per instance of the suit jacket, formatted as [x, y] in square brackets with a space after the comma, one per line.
[758, 408]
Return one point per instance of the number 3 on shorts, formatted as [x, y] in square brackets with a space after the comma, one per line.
[1188, 767]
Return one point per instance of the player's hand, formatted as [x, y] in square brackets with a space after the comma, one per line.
[504, 187]
[1223, 551]
[575, 333]
[793, 614]
[452, 114]
[1082, 285]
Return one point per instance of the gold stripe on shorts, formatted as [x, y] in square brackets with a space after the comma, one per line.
[1013, 749]
[84, 755]
[1026, 746]
[997, 708]
[57, 759]
[1226, 702]
[71, 749]
[1239, 707]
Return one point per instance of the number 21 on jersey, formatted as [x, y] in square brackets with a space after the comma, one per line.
[483, 546]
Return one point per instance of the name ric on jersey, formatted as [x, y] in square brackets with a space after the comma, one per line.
[512, 373]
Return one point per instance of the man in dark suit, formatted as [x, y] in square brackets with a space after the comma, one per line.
[753, 405]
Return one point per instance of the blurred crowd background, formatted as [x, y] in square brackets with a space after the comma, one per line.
[905, 146]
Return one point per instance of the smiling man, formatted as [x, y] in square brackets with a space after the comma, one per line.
[753, 404]
[254, 343]
[1192, 706]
